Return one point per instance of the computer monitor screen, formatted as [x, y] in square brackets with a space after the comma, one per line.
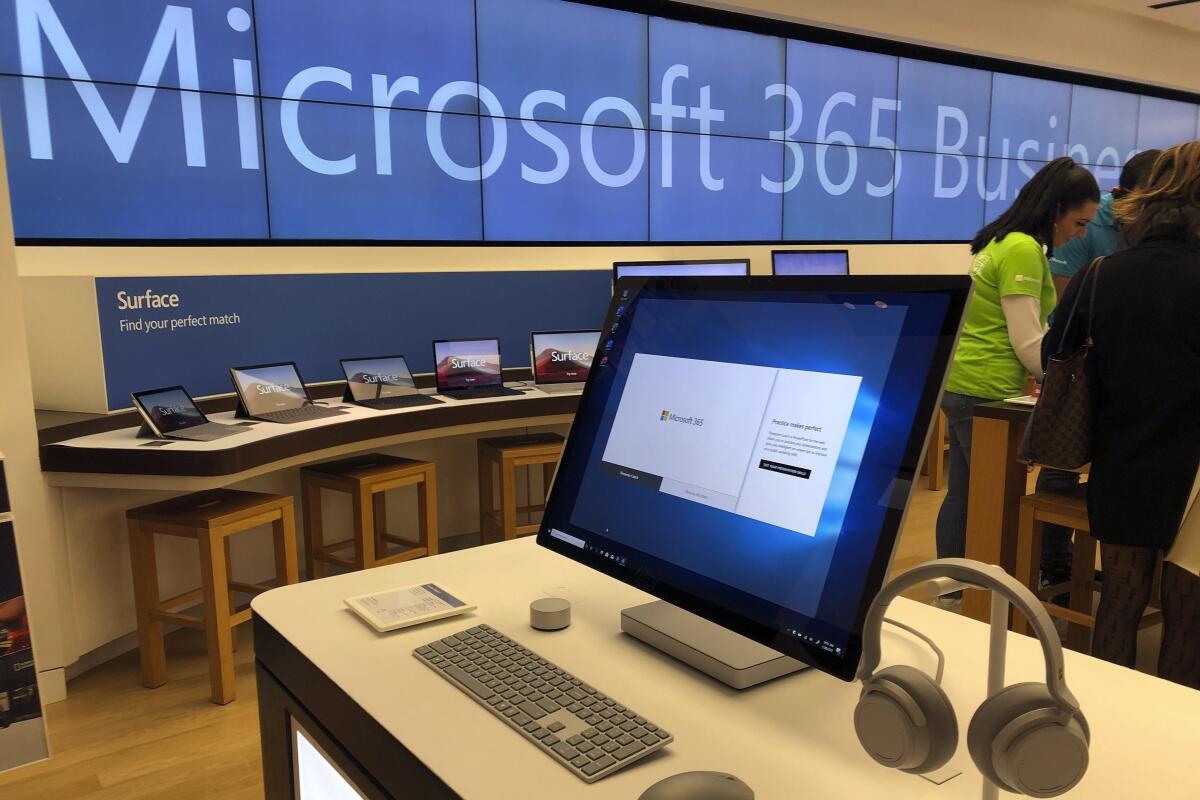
[563, 356]
[810, 262]
[269, 387]
[373, 378]
[465, 363]
[168, 410]
[650, 269]
[745, 449]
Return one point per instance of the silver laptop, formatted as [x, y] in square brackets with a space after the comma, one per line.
[171, 413]
[562, 359]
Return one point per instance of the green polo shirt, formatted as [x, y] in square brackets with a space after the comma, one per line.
[985, 364]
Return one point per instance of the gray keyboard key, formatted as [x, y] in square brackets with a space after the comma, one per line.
[597, 766]
[575, 740]
[566, 751]
[548, 705]
[585, 746]
[531, 709]
[521, 718]
[610, 747]
[628, 750]
[551, 740]
[581, 761]
[649, 739]
[540, 733]
[473, 686]
[624, 739]
[530, 727]
[555, 727]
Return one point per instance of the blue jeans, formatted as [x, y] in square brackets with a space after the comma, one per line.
[1056, 540]
[952, 518]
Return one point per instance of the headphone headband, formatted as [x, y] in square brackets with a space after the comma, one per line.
[985, 576]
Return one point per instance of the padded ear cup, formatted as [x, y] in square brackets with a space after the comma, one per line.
[904, 720]
[1022, 741]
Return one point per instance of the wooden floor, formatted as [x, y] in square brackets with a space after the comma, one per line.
[111, 738]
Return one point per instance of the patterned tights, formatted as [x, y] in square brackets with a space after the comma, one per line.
[1128, 582]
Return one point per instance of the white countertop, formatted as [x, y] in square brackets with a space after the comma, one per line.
[791, 738]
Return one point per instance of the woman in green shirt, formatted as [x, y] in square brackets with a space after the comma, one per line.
[1001, 338]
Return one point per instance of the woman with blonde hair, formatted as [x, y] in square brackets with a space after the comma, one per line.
[1145, 374]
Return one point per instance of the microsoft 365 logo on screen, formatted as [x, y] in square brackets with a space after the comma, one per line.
[667, 416]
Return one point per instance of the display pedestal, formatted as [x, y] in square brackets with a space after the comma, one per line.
[716, 651]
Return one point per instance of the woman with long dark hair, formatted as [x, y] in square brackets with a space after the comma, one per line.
[1014, 294]
[1145, 373]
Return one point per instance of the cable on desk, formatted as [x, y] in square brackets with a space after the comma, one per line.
[941, 657]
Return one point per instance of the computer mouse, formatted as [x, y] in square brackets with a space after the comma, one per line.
[699, 786]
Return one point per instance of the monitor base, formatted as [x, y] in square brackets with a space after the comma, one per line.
[727, 656]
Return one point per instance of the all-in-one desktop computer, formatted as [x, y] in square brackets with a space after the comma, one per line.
[744, 449]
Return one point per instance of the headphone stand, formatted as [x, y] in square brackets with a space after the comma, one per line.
[997, 650]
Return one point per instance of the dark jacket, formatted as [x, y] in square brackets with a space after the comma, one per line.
[1145, 374]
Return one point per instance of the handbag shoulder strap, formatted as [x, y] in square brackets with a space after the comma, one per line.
[1092, 271]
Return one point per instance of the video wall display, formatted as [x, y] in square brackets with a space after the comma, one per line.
[515, 120]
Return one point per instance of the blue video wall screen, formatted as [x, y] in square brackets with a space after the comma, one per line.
[514, 120]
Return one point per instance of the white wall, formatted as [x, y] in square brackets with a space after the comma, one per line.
[40, 541]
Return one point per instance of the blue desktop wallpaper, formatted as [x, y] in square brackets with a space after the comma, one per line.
[461, 121]
[708, 550]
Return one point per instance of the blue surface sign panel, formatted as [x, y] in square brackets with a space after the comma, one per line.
[191, 330]
[514, 120]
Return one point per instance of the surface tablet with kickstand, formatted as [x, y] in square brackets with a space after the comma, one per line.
[409, 605]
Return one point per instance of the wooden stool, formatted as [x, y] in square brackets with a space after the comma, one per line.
[210, 518]
[1070, 511]
[508, 453]
[365, 479]
[936, 453]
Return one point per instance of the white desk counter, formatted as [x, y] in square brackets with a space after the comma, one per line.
[119, 459]
[405, 732]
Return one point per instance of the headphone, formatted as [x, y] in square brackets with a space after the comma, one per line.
[1029, 738]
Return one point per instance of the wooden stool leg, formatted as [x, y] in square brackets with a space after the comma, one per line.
[314, 538]
[284, 532]
[145, 597]
[548, 470]
[364, 528]
[1083, 577]
[486, 499]
[232, 598]
[937, 470]
[1029, 541]
[427, 513]
[216, 617]
[379, 512]
[508, 497]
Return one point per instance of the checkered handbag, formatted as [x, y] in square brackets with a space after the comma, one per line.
[1059, 433]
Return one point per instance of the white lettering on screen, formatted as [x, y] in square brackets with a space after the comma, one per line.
[39, 24]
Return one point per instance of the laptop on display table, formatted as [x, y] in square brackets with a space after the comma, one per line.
[469, 368]
[562, 359]
[382, 382]
[276, 393]
[171, 413]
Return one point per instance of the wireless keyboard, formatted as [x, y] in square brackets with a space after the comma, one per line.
[586, 731]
